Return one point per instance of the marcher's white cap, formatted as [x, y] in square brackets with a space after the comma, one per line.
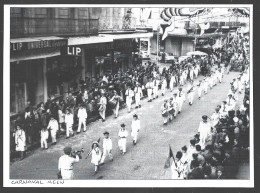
[235, 119]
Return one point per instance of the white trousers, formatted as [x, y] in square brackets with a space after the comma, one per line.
[67, 174]
[180, 105]
[134, 136]
[129, 103]
[155, 92]
[68, 129]
[171, 85]
[190, 97]
[82, 121]
[165, 119]
[137, 100]
[103, 113]
[163, 88]
[206, 88]
[53, 136]
[122, 144]
[44, 143]
[149, 93]
[105, 153]
[199, 92]
[116, 110]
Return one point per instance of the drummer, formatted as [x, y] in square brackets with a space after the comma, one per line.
[114, 101]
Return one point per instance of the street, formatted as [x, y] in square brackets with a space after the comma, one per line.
[143, 161]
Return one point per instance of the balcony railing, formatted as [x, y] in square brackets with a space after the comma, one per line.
[190, 25]
[30, 27]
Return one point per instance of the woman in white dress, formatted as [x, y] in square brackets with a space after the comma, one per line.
[96, 156]
[20, 140]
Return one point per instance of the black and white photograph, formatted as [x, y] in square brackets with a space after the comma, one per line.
[128, 95]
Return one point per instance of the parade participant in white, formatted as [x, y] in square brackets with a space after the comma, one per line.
[107, 148]
[190, 93]
[96, 156]
[20, 140]
[215, 117]
[172, 82]
[69, 123]
[44, 138]
[205, 85]
[230, 103]
[164, 111]
[122, 134]
[116, 101]
[82, 115]
[65, 164]
[199, 89]
[156, 83]
[129, 93]
[164, 85]
[103, 106]
[204, 131]
[149, 87]
[177, 167]
[138, 93]
[181, 99]
[53, 126]
[136, 125]
[175, 103]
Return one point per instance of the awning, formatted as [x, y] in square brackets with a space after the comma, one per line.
[89, 40]
[36, 47]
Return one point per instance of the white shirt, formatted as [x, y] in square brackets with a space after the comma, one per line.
[107, 143]
[138, 91]
[69, 118]
[66, 162]
[53, 125]
[103, 101]
[181, 96]
[82, 113]
[44, 134]
[122, 133]
[129, 93]
[149, 85]
[204, 129]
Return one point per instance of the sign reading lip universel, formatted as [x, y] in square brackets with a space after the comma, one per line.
[19, 46]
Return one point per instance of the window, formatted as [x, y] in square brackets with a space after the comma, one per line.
[83, 13]
[64, 12]
[40, 12]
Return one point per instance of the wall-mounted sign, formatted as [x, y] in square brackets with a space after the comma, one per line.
[74, 51]
[38, 44]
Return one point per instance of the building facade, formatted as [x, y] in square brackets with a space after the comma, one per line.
[52, 48]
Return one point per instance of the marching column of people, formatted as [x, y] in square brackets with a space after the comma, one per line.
[221, 144]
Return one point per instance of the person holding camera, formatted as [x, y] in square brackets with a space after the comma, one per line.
[66, 162]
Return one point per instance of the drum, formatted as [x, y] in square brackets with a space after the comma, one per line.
[165, 113]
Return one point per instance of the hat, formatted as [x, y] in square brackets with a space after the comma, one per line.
[217, 109]
[180, 88]
[235, 119]
[230, 94]
[135, 115]
[123, 125]
[95, 142]
[67, 150]
[171, 98]
[204, 117]
[106, 133]
[175, 93]
[165, 100]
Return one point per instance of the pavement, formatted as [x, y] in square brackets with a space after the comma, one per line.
[143, 161]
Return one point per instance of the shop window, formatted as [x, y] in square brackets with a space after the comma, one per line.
[40, 12]
[17, 97]
[83, 13]
[64, 12]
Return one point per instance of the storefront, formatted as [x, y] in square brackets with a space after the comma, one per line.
[108, 57]
[29, 61]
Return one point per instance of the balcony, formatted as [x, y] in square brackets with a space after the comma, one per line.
[33, 27]
[190, 25]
